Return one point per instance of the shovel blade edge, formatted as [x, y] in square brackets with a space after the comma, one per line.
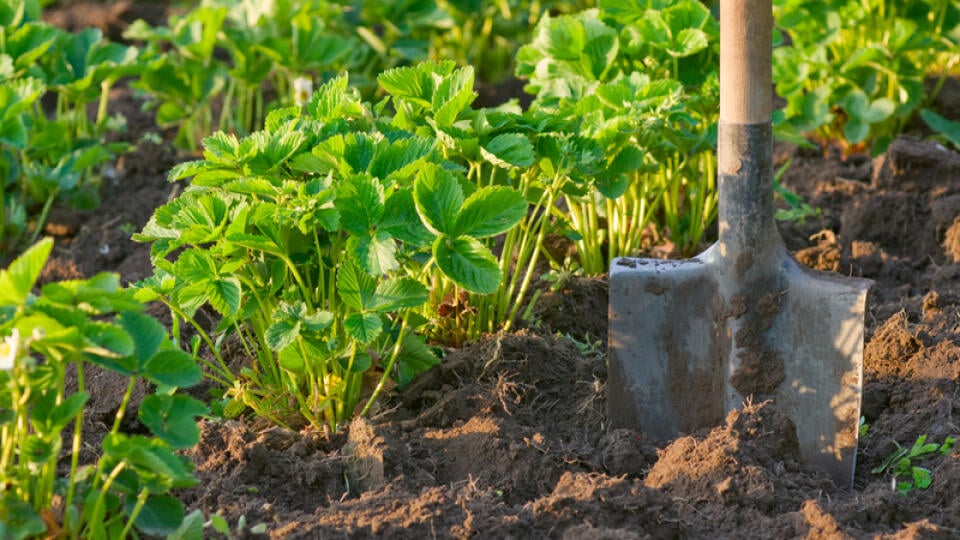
[819, 334]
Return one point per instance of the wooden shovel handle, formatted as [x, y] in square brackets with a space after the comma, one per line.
[746, 30]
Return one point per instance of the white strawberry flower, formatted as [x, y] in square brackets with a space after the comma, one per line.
[302, 90]
[9, 350]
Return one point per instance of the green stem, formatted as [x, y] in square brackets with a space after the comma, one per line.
[141, 501]
[345, 400]
[531, 266]
[104, 490]
[42, 218]
[395, 353]
[77, 439]
[258, 109]
[304, 290]
[102, 104]
[316, 386]
[223, 374]
[227, 109]
[123, 406]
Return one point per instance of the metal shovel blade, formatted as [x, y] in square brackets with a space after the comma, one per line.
[691, 340]
[686, 347]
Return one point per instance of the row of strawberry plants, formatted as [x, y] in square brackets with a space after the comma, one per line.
[58, 155]
[51, 337]
[275, 49]
[857, 72]
[640, 83]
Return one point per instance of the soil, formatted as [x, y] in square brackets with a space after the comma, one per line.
[508, 437]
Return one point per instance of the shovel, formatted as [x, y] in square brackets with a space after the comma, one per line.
[691, 340]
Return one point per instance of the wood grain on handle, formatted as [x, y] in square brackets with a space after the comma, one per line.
[746, 29]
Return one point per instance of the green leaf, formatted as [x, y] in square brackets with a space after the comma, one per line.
[221, 148]
[361, 362]
[107, 340]
[949, 129]
[173, 368]
[947, 446]
[921, 477]
[255, 242]
[861, 113]
[415, 358]
[317, 321]
[468, 263]
[399, 293]
[38, 450]
[363, 327]
[19, 519]
[191, 528]
[438, 198]
[490, 211]
[413, 83]
[329, 102]
[224, 295]
[454, 94]
[856, 130]
[147, 334]
[400, 157]
[356, 288]
[509, 150]
[160, 515]
[376, 254]
[281, 334]
[220, 524]
[169, 113]
[688, 42]
[401, 220]
[623, 11]
[173, 418]
[18, 279]
[612, 186]
[360, 202]
[291, 360]
[51, 419]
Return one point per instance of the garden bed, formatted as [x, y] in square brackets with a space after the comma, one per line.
[508, 436]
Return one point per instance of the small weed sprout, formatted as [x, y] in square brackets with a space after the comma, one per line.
[193, 527]
[900, 464]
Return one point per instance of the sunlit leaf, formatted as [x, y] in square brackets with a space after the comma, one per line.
[490, 211]
[438, 198]
[363, 327]
[18, 278]
[468, 263]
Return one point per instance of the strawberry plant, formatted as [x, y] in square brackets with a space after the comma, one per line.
[494, 148]
[55, 157]
[180, 72]
[16, 99]
[639, 84]
[82, 69]
[486, 34]
[270, 45]
[313, 240]
[67, 327]
[854, 71]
